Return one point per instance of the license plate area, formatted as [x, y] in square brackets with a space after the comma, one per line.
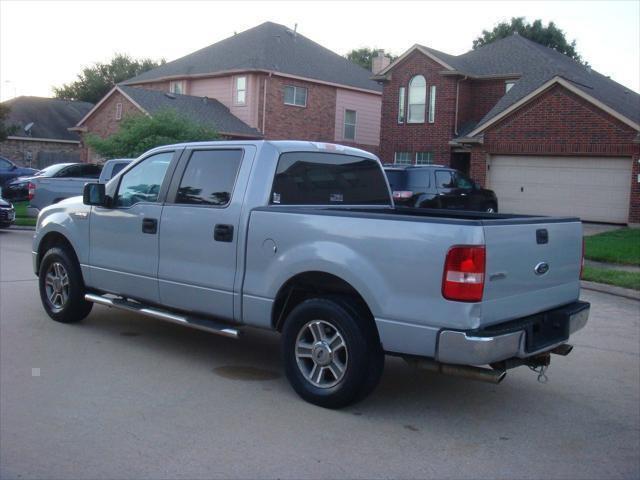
[550, 329]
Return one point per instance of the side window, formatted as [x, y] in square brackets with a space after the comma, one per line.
[464, 182]
[418, 179]
[142, 183]
[4, 164]
[70, 172]
[445, 179]
[209, 177]
[89, 171]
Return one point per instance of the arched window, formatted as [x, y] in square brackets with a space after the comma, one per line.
[417, 99]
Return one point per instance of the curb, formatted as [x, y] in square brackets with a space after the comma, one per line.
[610, 289]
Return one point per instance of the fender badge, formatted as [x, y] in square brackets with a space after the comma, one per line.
[541, 268]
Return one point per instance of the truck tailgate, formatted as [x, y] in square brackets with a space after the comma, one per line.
[531, 266]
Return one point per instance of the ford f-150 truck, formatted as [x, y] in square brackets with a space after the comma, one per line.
[304, 238]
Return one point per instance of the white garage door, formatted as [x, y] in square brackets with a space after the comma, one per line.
[592, 188]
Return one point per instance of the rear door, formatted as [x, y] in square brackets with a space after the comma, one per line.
[449, 193]
[199, 230]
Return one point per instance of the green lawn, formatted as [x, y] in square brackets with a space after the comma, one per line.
[21, 215]
[612, 277]
[618, 246]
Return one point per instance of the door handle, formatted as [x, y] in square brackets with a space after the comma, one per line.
[150, 225]
[223, 233]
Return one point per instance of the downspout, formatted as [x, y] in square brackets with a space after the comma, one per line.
[264, 101]
[455, 130]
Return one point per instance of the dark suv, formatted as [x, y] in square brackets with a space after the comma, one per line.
[435, 186]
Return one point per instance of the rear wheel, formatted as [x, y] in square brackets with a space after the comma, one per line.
[62, 287]
[332, 354]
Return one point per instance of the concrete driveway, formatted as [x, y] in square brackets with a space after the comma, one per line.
[121, 396]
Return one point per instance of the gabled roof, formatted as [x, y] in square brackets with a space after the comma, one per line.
[268, 47]
[51, 117]
[534, 65]
[199, 109]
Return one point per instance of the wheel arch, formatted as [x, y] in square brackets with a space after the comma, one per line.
[55, 239]
[305, 285]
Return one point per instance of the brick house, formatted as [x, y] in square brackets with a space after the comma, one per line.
[549, 135]
[41, 135]
[267, 82]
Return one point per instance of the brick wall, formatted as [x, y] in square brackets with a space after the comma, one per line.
[314, 122]
[160, 86]
[420, 137]
[559, 122]
[25, 152]
[477, 97]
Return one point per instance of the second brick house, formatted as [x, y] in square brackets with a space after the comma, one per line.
[267, 82]
[548, 134]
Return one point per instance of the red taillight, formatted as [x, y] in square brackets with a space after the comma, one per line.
[32, 190]
[582, 260]
[463, 278]
[401, 194]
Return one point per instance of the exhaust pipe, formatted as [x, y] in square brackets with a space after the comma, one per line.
[564, 349]
[464, 371]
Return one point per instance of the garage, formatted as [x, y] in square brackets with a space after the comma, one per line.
[595, 189]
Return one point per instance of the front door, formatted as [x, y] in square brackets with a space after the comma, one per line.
[123, 254]
[449, 194]
[199, 230]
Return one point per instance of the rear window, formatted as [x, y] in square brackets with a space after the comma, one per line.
[117, 168]
[313, 178]
[397, 179]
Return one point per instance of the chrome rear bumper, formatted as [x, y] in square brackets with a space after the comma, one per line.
[482, 347]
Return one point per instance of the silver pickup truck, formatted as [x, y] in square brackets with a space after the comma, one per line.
[304, 238]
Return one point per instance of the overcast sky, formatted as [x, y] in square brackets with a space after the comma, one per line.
[43, 44]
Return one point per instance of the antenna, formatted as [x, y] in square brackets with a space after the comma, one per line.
[295, 30]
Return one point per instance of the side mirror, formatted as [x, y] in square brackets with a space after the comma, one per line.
[93, 194]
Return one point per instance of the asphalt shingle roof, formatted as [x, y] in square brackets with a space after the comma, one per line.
[51, 117]
[536, 65]
[199, 109]
[271, 47]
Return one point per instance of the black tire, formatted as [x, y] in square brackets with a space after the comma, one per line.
[74, 307]
[365, 360]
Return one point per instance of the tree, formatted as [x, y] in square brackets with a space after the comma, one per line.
[364, 56]
[94, 82]
[5, 129]
[549, 36]
[139, 133]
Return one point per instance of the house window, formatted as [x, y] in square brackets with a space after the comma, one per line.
[508, 84]
[177, 86]
[432, 104]
[241, 90]
[417, 99]
[295, 96]
[424, 158]
[349, 124]
[118, 111]
[401, 95]
[402, 158]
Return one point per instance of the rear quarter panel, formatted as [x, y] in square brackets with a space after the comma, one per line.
[395, 265]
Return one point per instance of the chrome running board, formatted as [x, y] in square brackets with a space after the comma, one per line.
[188, 321]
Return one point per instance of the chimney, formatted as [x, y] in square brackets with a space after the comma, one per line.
[379, 62]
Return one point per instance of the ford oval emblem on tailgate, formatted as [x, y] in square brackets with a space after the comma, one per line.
[541, 268]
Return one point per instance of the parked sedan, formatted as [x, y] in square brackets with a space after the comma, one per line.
[7, 213]
[435, 186]
[9, 171]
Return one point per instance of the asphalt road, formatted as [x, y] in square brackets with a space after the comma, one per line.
[122, 396]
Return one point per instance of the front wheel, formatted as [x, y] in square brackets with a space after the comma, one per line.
[332, 353]
[62, 287]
